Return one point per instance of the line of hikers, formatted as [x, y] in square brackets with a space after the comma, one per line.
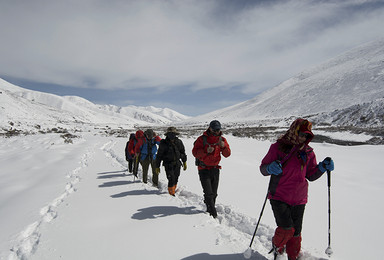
[148, 149]
[290, 163]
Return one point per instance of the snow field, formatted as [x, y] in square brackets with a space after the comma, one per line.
[79, 202]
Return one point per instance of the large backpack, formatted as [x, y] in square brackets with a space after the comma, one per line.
[132, 138]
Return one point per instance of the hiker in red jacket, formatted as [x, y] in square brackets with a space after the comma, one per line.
[291, 162]
[208, 149]
[136, 159]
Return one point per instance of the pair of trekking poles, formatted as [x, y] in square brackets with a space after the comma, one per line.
[247, 254]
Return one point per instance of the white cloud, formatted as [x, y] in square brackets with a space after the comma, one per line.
[130, 44]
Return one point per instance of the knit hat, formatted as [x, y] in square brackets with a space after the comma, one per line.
[149, 133]
[215, 125]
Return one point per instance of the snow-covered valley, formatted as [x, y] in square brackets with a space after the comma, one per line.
[76, 201]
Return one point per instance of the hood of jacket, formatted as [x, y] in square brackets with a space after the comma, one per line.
[139, 134]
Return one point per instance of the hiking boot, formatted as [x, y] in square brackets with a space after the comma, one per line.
[277, 252]
[208, 207]
[281, 237]
[213, 212]
[171, 190]
[293, 247]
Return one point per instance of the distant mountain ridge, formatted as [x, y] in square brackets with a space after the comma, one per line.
[26, 108]
[341, 86]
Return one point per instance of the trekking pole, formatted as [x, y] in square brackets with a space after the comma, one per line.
[329, 250]
[247, 254]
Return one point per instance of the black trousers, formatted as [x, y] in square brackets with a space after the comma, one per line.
[130, 165]
[209, 179]
[287, 216]
[172, 170]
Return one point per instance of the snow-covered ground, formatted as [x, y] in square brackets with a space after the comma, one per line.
[75, 201]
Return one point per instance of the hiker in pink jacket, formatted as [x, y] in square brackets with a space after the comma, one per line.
[291, 162]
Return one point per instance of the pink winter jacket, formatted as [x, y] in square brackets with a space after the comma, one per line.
[291, 186]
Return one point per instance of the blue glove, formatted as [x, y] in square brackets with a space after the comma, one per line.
[275, 168]
[326, 165]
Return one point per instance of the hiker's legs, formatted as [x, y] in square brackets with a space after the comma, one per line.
[293, 245]
[130, 165]
[170, 171]
[172, 176]
[284, 222]
[297, 218]
[135, 166]
[145, 165]
[215, 183]
[176, 173]
[155, 176]
[210, 181]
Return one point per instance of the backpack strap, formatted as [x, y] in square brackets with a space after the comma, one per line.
[218, 143]
[204, 140]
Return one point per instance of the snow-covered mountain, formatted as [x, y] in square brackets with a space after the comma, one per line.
[346, 90]
[26, 109]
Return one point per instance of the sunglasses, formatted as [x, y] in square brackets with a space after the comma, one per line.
[301, 134]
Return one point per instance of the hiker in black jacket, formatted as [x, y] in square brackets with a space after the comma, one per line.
[172, 153]
[130, 151]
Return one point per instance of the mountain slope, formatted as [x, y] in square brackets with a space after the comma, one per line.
[353, 78]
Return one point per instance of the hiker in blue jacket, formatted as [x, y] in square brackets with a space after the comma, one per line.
[146, 148]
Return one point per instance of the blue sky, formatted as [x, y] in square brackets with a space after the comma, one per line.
[193, 56]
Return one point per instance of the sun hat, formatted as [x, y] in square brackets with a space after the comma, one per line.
[172, 129]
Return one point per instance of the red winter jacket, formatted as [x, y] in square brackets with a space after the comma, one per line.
[211, 160]
[139, 140]
[130, 147]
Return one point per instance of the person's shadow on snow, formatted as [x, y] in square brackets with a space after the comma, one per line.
[163, 211]
[114, 174]
[136, 193]
[114, 183]
[122, 173]
[111, 176]
[206, 256]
